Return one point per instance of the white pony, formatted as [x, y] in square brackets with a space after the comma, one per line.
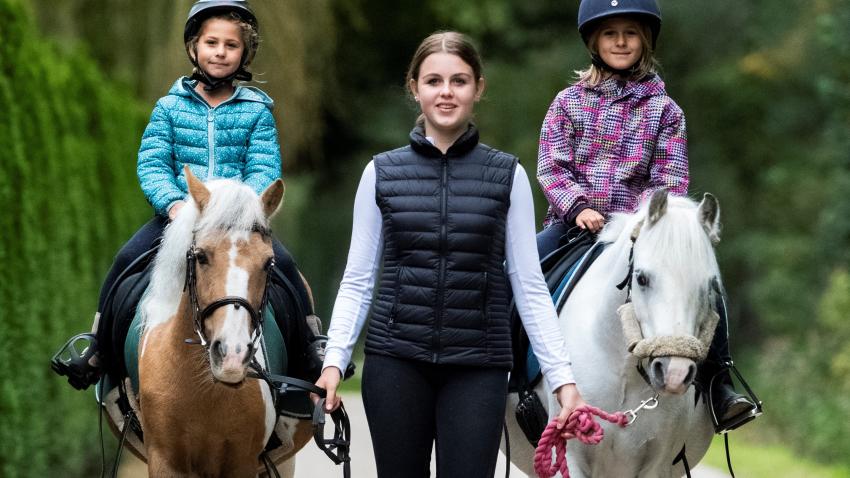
[663, 321]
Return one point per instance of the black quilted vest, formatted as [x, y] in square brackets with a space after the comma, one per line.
[442, 295]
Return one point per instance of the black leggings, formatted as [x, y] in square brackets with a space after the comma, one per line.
[410, 405]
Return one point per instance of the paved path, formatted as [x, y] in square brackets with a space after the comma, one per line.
[311, 462]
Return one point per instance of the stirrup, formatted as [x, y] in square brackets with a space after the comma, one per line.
[72, 360]
[736, 421]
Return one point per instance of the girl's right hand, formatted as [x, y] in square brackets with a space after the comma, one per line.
[329, 380]
[590, 219]
[175, 208]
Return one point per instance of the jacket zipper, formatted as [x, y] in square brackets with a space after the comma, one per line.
[438, 326]
[211, 142]
[485, 293]
[395, 297]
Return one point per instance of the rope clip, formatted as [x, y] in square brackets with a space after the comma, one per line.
[647, 404]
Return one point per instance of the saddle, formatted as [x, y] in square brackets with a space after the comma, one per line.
[562, 269]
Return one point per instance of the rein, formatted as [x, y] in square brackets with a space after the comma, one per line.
[337, 448]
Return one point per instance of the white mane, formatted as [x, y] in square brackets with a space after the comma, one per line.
[232, 206]
[677, 234]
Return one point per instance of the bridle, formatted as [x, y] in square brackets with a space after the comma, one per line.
[336, 448]
[200, 315]
[688, 346]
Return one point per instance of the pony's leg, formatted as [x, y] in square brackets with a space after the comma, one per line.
[158, 467]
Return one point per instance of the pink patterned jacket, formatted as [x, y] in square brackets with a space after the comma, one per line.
[608, 147]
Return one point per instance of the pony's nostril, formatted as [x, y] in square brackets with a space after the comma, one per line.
[658, 369]
[250, 353]
[692, 371]
[219, 348]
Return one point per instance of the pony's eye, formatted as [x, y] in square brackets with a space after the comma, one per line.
[642, 279]
[202, 258]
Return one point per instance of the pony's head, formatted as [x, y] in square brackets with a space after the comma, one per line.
[220, 245]
[674, 287]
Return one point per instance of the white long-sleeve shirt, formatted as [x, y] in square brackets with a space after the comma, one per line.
[523, 267]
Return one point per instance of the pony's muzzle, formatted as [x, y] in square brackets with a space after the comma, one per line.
[672, 374]
[229, 359]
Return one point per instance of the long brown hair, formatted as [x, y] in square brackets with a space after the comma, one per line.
[455, 43]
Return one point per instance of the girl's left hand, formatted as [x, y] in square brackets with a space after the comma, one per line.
[570, 399]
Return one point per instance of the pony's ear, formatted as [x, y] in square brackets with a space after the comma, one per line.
[272, 197]
[657, 206]
[709, 216]
[199, 192]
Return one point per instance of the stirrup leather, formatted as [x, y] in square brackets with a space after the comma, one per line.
[740, 419]
[72, 360]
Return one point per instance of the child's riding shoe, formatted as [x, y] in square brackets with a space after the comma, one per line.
[729, 409]
[78, 360]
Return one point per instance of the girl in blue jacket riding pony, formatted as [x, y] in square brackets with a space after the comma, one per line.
[205, 122]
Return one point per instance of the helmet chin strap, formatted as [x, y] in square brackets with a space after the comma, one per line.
[212, 84]
[597, 61]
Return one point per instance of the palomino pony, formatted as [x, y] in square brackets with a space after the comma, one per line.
[662, 323]
[200, 413]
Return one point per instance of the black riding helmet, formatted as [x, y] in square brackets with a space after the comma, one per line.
[204, 9]
[592, 12]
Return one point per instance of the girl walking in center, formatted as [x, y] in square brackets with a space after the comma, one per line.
[440, 227]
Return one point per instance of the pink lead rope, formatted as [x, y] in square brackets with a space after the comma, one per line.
[581, 425]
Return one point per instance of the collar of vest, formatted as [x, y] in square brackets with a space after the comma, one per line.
[467, 141]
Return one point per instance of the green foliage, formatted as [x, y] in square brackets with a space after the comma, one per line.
[66, 177]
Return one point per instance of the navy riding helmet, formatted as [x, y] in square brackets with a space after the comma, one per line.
[591, 12]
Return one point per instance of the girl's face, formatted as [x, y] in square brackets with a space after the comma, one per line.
[619, 42]
[446, 90]
[220, 47]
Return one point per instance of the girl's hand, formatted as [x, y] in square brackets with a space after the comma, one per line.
[590, 219]
[569, 399]
[329, 380]
[175, 208]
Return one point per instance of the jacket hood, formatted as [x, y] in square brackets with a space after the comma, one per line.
[185, 86]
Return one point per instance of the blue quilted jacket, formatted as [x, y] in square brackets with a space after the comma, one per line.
[237, 139]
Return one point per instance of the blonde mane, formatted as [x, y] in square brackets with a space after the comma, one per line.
[232, 206]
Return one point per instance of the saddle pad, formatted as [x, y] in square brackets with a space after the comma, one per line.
[559, 298]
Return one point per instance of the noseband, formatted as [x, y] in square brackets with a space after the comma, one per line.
[199, 315]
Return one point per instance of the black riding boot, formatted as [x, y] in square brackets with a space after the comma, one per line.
[729, 408]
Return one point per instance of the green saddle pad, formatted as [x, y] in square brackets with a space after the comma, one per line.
[294, 404]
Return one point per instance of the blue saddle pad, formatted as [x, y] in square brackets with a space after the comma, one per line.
[559, 297]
